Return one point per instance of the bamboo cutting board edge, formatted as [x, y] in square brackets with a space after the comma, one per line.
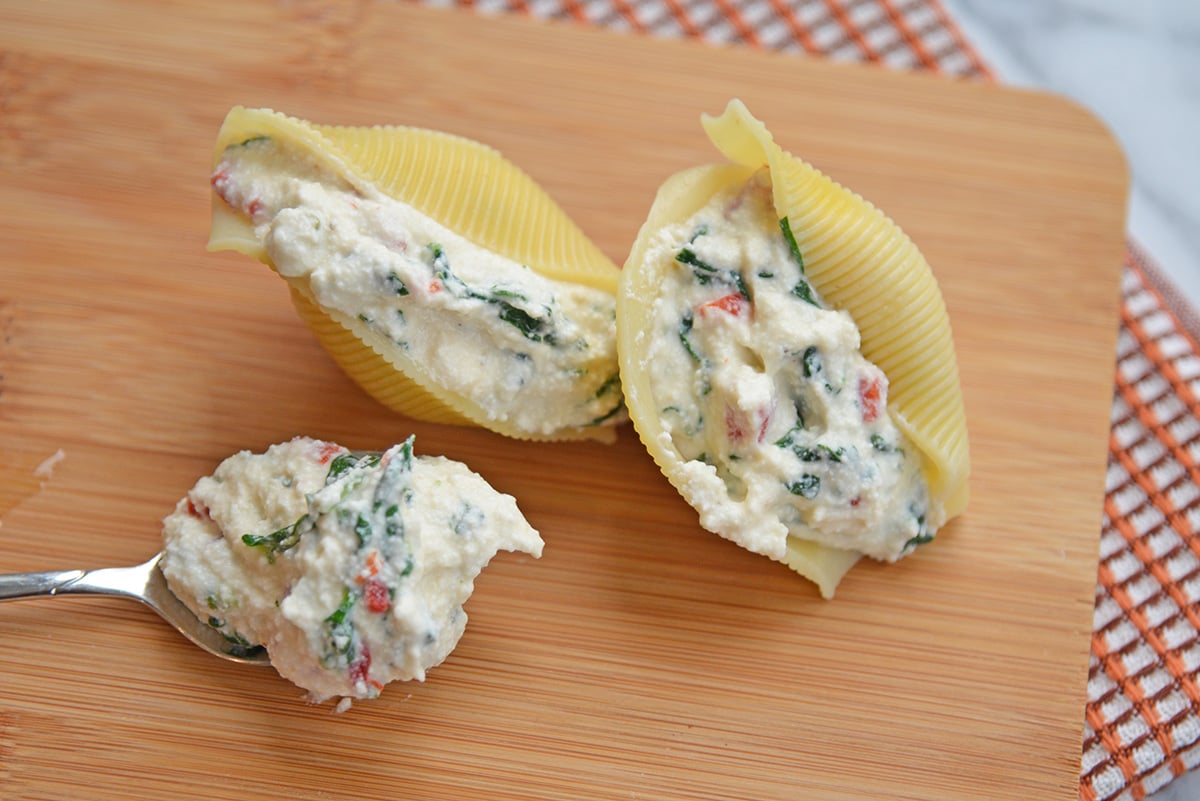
[600, 720]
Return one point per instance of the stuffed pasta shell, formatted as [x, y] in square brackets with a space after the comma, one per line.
[436, 273]
[787, 360]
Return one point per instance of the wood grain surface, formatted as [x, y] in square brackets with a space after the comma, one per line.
[640, 657]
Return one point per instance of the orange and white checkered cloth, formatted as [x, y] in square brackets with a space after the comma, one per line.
[1142, 721]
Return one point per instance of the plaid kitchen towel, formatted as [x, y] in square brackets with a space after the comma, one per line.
[1142, 720]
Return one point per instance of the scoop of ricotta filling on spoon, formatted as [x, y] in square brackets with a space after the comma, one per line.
[350, 569]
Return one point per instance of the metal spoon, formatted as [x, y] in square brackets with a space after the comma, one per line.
[144, 583]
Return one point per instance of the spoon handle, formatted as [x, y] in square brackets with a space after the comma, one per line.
[145, 583]
[32, 585]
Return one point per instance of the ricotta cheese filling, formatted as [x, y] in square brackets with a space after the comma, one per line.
[781, 424]
[350, 569]
[537, 353]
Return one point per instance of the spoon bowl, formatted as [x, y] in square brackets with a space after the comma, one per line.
[145, 583]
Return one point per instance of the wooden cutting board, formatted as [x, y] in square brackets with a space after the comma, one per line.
[640, 657]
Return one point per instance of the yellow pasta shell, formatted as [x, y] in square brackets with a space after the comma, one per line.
[820, 564]
[861, 262]
[464, 185]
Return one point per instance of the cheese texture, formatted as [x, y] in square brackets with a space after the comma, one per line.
[779, 424]
[536, 356]
[350, 569]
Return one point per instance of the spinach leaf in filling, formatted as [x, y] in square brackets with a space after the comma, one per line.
[536, 326]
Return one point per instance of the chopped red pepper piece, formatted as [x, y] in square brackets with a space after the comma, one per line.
[220, 185]
[375, 593]
[734, 303]
[738, 428]
[762, 427]
[197, 509]
[328, 450]
[360, 668]
[735, 425]
[872, 396]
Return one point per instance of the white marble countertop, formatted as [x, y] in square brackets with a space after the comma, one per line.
[1136, 65]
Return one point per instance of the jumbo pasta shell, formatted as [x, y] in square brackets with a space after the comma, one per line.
[463, 185]
[860, 262]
